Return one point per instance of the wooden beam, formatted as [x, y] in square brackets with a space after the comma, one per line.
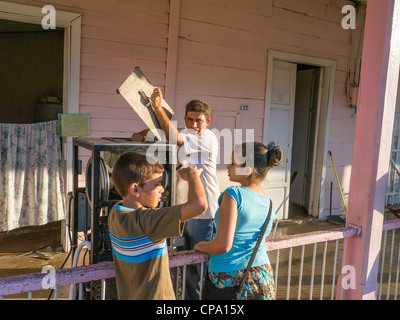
[374, 128]
[33, 281]
[172, 54]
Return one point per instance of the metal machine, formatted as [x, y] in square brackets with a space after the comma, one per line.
[92, 202]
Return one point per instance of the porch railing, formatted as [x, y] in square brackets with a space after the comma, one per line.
[306, 266]
[393, 186]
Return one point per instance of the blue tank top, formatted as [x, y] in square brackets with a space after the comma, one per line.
[252, 210]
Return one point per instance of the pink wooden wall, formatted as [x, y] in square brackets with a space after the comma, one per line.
[221, 57]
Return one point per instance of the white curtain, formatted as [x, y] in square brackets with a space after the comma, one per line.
[31, 176]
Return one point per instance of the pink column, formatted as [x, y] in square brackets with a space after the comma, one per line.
[374, 127]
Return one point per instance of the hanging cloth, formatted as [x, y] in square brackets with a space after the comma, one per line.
[31, 175]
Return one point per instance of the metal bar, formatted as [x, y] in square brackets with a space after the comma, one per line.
[289, 273]
[390, 266]
[33, 281]
[397, 274]
[177, 282]
[201, 277]
[182, 258]
[343, 264]
[383, 254]
[391, 224]
[276, 270]
[334, 270]
[301, 271]
[323, 271]
[306, 238]
[394, 166]
[95, 206]
[103, 289]
[313, 271]
[74, 227]
[81, 291]
[183, 282]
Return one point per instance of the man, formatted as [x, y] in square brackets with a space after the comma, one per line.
[198, 147]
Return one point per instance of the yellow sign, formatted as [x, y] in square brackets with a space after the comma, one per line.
[73, 125]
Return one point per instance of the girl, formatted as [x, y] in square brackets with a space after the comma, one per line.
[242, 212]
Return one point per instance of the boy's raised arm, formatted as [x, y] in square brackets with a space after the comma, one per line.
[197, 201]
[172, 133]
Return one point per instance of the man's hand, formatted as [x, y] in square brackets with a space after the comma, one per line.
[140, 136]
[157, 98]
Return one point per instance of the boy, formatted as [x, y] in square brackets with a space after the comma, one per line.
[199, 147]
[138, 230]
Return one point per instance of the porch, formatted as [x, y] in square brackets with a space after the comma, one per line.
[365, 205]
[306, 256]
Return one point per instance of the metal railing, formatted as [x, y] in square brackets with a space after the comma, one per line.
[393, 186]
[306, 266]
[389, 263]
[301, 263]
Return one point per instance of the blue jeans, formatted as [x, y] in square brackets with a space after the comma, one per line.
[196, 230]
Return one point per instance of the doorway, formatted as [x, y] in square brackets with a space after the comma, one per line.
[71, 24]
[32, 72]
[297, 112]
[306, 112]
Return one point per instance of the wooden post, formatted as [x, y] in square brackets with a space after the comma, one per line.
[372, 145]
[172, 54]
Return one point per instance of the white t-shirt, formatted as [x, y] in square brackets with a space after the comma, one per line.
[200, 150]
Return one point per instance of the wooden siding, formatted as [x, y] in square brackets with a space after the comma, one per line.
[221, 57]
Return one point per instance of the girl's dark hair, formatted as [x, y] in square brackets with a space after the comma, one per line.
[261, 157]
[133, 167]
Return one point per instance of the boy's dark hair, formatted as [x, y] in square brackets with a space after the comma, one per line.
[133, 167]
[198, 106]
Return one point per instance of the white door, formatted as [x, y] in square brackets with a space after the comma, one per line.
[313, 126]
[278, 127]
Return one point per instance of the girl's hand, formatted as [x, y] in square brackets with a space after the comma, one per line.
[186, 173]
[201, 246]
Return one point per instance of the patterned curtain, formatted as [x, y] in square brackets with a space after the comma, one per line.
[31, 175]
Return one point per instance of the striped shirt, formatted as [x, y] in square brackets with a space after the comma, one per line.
[137, 250]
[138, 239]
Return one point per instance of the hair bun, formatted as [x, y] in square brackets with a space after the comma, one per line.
[275, 154]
